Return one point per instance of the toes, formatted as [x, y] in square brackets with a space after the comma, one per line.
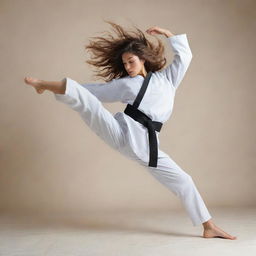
[27, 79]
[228, 237]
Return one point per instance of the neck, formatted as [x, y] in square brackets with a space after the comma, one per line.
[143, 72]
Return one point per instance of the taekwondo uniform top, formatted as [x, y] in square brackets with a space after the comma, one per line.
[158, 99]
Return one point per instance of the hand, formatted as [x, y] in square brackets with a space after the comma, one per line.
[160, 31]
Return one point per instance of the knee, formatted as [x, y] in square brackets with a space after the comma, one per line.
[185, 180]
[182, 184]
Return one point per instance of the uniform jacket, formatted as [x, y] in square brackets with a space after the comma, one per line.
[158, 100]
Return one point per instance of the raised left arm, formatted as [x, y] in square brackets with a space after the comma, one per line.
[175, 72]
[182, 55]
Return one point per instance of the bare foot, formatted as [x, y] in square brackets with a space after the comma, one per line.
[214, 231]
[36, 83]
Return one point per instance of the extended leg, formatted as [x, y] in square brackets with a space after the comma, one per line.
[98, 118]
[93, 113]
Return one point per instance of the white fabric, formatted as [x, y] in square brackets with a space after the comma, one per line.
[129, 137]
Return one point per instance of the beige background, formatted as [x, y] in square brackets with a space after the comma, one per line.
[52, 163]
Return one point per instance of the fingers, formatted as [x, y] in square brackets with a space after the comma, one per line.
[154, 30]
[151, 31]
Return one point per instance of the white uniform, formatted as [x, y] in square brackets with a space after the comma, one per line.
[128, 136]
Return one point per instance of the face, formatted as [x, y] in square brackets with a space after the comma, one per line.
[133, 64]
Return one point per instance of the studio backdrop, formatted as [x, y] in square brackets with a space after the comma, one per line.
[51, 162]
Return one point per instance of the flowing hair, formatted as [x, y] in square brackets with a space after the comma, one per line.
[107, 52]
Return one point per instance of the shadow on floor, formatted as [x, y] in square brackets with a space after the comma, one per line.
[98, 224]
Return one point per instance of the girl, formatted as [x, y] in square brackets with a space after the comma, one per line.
[132, 69]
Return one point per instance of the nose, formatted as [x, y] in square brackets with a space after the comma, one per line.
[128, 68]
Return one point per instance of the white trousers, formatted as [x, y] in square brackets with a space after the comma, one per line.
[103, 123]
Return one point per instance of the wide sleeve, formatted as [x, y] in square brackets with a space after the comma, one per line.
[182, 58]
[106, 92]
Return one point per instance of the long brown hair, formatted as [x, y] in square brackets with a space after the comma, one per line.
[107, 52]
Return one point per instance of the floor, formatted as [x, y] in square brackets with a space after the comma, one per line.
[131, 233]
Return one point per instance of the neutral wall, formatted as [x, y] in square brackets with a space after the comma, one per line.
[52, 163]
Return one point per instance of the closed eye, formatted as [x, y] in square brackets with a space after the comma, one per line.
[129, 62]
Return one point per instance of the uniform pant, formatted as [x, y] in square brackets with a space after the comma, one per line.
[168, 173]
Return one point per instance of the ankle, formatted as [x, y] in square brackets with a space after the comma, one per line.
[58, 87]
[208, 224]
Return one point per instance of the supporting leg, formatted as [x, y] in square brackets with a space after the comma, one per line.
[182, 185]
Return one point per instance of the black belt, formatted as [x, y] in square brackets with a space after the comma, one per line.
[152, 126]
